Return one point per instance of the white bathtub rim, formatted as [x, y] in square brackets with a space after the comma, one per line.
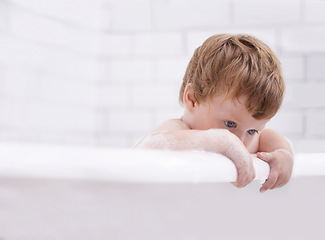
[127, 165]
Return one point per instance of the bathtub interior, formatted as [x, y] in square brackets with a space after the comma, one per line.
[75, 204]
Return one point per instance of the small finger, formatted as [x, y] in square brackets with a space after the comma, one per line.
[269, 183]
[265, 156]
[262, 155]
[281, 185]
[281, 181]
[278, 183]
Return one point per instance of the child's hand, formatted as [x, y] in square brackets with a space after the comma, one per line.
[242, 159]
[281, 164]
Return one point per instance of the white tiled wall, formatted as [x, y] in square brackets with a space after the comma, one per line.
[105, 72]
[48, 65]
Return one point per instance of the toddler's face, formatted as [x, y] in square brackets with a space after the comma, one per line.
[229, 115]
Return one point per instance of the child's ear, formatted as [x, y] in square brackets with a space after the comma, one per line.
[189, 98]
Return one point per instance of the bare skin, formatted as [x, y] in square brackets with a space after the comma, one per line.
[226, 127]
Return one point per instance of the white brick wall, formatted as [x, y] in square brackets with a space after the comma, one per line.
[127, 15]
[315, 123]
[289, 123]
[306, 95]
[73, 12]
[37, 28]
[293, 68]
[154, 95]
[266, 12]
[108, 45]
[128, 70]
[49, 71]
[161, 44]
[170, 70]
[303, 39]
[109, 71]
[4, 12]
[314, 11]
[315, 67]
[189, 14]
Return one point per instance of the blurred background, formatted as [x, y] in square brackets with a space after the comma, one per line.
[105, 72]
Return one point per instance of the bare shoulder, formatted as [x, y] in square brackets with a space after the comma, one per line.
[171, 125]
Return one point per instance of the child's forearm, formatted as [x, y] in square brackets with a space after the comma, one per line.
[213, 140]
[271, 140]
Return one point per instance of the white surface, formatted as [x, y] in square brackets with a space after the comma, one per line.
[127, 165]
[64, 193]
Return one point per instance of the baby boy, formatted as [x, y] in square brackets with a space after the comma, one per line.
[232, 87]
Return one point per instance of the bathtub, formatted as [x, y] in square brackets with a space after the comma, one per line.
[58, 193]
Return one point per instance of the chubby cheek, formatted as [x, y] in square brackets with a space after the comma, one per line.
[252, 143]
[207, 123]
[244, 137]
[203, 121]
[247, 142]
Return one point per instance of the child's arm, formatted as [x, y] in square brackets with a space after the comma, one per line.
[213, 140]
[275, 150]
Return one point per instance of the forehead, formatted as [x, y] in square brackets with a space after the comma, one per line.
[227, 105]
[234, 110]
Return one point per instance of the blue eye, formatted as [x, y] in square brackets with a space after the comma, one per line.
[230, 124]
[251, 131]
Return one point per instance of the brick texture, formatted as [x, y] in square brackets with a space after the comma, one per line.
[109, 71]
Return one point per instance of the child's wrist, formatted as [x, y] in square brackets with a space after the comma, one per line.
[285, 151]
